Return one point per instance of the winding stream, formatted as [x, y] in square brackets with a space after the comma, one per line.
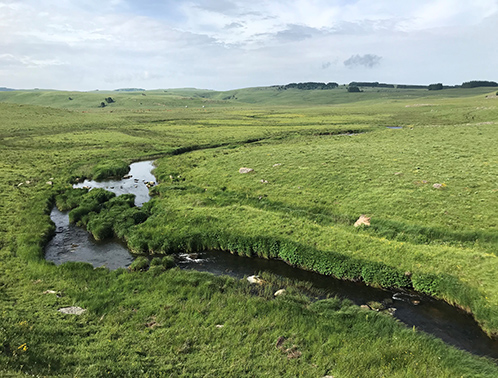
[72, 243]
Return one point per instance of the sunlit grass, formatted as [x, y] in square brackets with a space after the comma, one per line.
[315, 185]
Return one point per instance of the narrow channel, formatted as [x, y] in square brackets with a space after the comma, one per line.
[72, 243]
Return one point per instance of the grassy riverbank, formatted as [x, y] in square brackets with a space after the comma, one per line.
[309, 185]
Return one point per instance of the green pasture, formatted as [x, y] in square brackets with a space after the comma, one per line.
[320, 158]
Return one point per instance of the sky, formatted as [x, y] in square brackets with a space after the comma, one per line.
[230, 44]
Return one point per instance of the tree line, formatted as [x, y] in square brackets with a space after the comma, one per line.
[307, 86]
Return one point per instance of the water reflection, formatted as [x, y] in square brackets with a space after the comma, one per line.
[134, 182]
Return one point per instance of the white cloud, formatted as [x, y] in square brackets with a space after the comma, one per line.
[234, 43]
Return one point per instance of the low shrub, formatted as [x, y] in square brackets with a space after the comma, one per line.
[141, 263]
[114, 168]
[168, 262]
[156, 261]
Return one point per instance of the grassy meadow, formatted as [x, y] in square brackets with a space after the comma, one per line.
[320, 159]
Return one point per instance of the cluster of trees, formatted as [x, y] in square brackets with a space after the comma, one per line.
[435, 87]
[479, 83]
[354, 86]
[407, 86]
[374, 84]
[307, 86]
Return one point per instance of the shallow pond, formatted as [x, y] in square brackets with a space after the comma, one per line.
[72, 243]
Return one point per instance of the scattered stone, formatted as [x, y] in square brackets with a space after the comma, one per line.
[391, 310]
[362, 220]
[365, 307]
[264, 181]
[28, 182]
[219, 325]
[50, 183]
[277, 165]
[398, 173]
[255, 280]
[293, 353]
[408, 274]
[415, 302]
[245, 170]
[72, 310]
[126, 177]
[193, 256]
[49, 292]
[376, 306]
[21, 183]
[280, 292]
[439, 186]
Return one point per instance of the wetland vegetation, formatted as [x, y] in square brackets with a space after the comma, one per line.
[320, 159]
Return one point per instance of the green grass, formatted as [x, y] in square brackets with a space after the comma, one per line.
[161, 322]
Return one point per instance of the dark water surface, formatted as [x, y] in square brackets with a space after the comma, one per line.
[446, 322]
[72, 243]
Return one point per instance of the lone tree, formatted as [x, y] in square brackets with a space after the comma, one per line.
[102, 105]
[109, 100]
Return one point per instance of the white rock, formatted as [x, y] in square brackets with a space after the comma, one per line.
[280, 292]
[362, 220]
[245, 170]
[72, 310]
[254, 280]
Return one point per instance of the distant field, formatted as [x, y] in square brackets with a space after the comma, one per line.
[320, 158]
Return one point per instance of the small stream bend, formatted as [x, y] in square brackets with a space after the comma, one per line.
[72, 243]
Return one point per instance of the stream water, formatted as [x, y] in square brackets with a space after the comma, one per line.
[72, 243]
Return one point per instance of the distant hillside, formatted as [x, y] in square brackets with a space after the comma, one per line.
[5, 89]
[191, 98]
